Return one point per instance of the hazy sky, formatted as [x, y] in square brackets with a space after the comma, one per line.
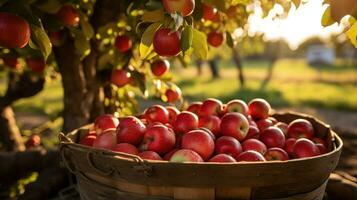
[300, 24]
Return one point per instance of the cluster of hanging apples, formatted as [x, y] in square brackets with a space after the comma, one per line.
[207, 131]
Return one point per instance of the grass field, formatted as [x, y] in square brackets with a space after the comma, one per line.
[294, 83]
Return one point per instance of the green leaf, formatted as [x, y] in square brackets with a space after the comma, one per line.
[326, 19]
[50, 6]
[186, 38]
[81, 43]
[146, 46]
[153, 5]
[153, 16]
[242, 2]
[139, 79]
[296, 3]
[229, 39]
[86, 26]
[40, 39]
[352, 34]
[199, 44]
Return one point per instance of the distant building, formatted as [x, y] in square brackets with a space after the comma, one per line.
[320, 54]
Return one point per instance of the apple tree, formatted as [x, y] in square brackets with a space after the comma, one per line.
[108, 51]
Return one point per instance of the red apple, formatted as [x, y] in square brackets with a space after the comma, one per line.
[88, 140]
[185, 155]
[273, 120]
[321, 144]
[126, 148]
[158, 138]
[68, 15]
[237, 105]
[235, 125]
[56, 38]
[301, 128]
[322, 148]
[289, 145]
[276, 153]
[263, 124]
[283, 127]
[168, 125]
[200, 142]
[185, 122]
[317, 140]
[169, 154]
[153, 124]
[14, 31]
[255, 145]
[184, 7]
[130, 130]
[273, 137]
[304, 148]
[33, 141]
[166, 42]
[160, 67]
[123, 43]
[12, 61]
[105, 122]
[228, 145]
[211, 106]
[195, 107]
[120, 77]
[209, 132]
[150, 155]
[253, 132]
[156, 113]
[250, 156]
[173, 94]
[259, 109]
[210, 122]
[232, 11]
[215, 38]
[36, 64]
[209, 12]
[106, 140]
[173, 112]
[222, 158]
[224, 110]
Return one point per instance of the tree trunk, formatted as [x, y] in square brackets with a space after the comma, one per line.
[269, 75]
[10, 137]
[214, 67]
[199, 64]
[82, 87]
[15, 165]
[238, 61]
[274, 52]
[19, 86]
[78, 98]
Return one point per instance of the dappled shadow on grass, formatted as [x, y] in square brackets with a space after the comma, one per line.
[336, 105]
[332, 68]
[186, 83]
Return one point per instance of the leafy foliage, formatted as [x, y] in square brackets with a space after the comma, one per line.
[139, 22]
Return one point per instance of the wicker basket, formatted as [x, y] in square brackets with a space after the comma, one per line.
[104, 174]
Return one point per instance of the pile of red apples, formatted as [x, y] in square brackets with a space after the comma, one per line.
[207, 131]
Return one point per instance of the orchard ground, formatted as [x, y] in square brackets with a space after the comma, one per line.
[330, 92]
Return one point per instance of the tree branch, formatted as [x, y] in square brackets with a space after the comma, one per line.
[15, 165]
